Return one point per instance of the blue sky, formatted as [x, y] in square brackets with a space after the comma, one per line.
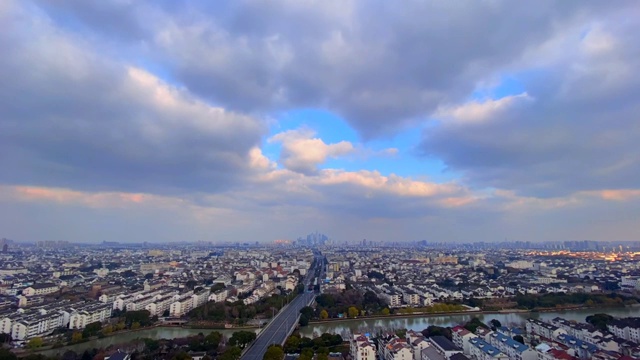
[264, 121]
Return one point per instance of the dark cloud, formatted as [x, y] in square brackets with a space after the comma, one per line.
[379, 64]
[578, 132]
[72, 119]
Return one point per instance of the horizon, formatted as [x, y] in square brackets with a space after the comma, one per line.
[155, 121]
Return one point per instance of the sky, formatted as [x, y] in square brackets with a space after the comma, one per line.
[256, 120]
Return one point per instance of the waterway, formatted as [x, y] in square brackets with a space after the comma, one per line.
[420, 323]
[361, 325]
[121, 338]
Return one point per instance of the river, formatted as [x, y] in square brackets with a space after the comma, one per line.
[361, 325]
[420, 323]
[152, 333]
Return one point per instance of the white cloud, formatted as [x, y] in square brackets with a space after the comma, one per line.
[480, 111]
[303, 152]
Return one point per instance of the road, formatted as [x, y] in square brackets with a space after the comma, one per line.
[280, 326]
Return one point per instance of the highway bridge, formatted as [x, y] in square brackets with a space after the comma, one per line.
[283, 324]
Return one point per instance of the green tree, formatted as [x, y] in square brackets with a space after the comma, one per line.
[242, 338]
[495, 323]
[519, 339]
[91, 329]
[151, 345]
[434, 330]
[474, 324]
[231, 353]
[212, 341]
[307, 311]
[324, 314]
[135, 326]
[141, 316]
[599, 320]
[7, 355]
[35, 343]
[304, 321]
[385, 311]
[274, 352]
[292, 344]
[353, 312]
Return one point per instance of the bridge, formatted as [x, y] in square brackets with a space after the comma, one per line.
[283, 324]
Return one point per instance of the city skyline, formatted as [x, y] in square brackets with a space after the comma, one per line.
[259, 121]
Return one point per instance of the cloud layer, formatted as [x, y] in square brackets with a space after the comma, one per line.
[165, 113]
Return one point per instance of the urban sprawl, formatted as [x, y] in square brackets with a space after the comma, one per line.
[55, 294]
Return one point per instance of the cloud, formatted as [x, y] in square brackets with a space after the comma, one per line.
[74, 119]
[302, 152]
[579, 134]
[381, 66]
[479, 111]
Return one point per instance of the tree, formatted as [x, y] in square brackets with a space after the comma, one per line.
[76, 337]
[231, 353]
[151, 345]
[353, 312]
[304, 321]
[107, 330]
[274, 352]
[166, 313]
[474, 324]
[434, 330]
[495, 323]
[324, 314]
[212, 341]
[135, 326]
[148, 276]
[292, 344]
[141, 316]
[91, 329]
[35, 343]
[242, 338]
[307, 311]
[519, 339]
[386, 311]
[599, 320]
[7, 355]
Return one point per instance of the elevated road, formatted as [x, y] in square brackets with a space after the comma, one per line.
[281, 326]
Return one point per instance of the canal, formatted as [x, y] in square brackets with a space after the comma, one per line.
[420, 323]
[360, 325]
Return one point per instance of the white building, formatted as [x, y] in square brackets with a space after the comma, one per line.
[362, 348]
[40, 289]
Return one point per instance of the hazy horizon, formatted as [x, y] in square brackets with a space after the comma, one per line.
[259, 120]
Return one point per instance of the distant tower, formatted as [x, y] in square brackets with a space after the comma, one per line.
[5, 248]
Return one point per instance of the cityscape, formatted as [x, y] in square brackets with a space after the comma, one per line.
[547, 302]
[319, 180]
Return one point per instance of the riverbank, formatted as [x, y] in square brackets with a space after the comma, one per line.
[468, 312]
[393, 316]
[514, 317]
